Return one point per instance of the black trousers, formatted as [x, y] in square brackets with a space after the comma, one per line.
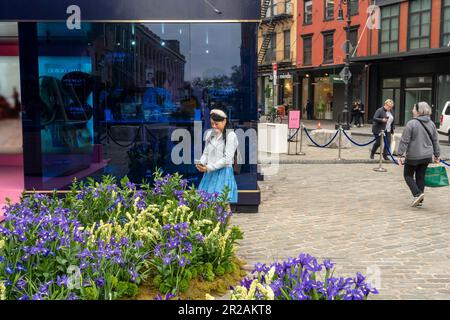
[377, 144]
[416, 170]
[358, 118]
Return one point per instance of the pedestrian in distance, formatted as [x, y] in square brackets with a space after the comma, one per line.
[362, 112]
[355, 114]
[383, 119]
[309, 110]
[419, 146]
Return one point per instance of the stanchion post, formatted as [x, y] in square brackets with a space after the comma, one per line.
[380, 167]
[301, 153]
[340, 143]
[289, 142]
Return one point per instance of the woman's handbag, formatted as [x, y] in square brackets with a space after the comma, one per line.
[436, 177]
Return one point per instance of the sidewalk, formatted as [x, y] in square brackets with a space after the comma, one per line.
[316, 155]
[364, 131]
[353, 155]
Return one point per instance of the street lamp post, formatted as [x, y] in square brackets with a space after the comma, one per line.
[345, 113]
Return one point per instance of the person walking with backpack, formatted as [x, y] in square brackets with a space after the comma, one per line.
[418, 146]
[218, 157]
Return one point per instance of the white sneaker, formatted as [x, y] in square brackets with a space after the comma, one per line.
[417, 200]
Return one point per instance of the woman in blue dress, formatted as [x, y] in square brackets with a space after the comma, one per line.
[218, 157]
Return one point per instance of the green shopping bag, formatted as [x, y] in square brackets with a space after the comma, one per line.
[436, 177]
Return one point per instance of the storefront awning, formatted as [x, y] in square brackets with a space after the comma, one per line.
[132, 10]
[422, 53]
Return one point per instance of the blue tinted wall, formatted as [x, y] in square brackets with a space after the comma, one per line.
[106, 99]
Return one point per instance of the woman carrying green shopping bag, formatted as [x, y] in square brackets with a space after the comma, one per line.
[420, 144]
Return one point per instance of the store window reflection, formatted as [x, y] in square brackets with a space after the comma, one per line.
[323, 98]
[113, 94]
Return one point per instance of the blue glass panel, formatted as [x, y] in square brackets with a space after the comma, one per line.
[111, 96]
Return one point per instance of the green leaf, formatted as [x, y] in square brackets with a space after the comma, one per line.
[61, 260]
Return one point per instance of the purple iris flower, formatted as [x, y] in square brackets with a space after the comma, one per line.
[173, 243]
[20, 267]
[246, 282]
[157, 191]
[157, 251]
[199, 237]
[21, 284]
[183, 261]
[130, 185]
[134, 274]
[298, 294]
[328, 264]
[72, 296]
[43, 289]
[138, 244]
[167, 260]
[61, 281]
[187, 248]
[141, 204]
[359, 280]
[260, 268]
[124, 241]
[168, 296]
[9, 269]
[353, 294]
[99, 282]
[119, 260]
[276, 287]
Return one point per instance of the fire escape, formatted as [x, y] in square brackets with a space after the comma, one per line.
[267, 36]
[267, 26]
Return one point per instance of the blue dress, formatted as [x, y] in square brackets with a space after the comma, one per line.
[219, 159]
[216, 181]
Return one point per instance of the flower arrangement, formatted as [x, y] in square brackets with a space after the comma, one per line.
[104, 239]
[302, 278]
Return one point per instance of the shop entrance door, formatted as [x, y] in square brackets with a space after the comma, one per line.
[415, 95]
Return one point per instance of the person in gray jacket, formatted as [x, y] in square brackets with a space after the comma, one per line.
[420, 143]
[383, 119]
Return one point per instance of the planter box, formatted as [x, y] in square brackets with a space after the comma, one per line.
[272, 137]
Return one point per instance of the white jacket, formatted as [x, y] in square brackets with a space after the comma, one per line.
[215, 156]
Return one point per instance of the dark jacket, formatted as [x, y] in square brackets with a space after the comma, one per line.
[416, 142]
[378, 123]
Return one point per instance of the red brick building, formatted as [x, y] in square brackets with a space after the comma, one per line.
[321, 53]
[407, 59]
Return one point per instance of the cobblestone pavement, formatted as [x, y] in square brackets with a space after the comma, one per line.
[359, 218]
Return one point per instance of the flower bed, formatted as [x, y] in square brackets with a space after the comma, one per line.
[302, 278]
[104, 240]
